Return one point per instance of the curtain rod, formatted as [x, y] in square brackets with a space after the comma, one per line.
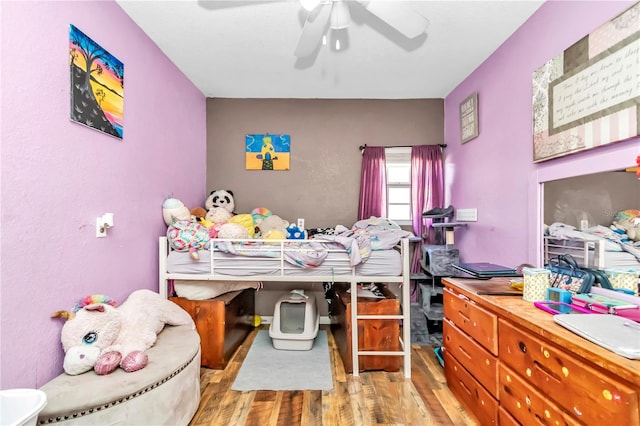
[363, 147]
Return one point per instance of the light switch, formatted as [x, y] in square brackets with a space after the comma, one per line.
[467, 215]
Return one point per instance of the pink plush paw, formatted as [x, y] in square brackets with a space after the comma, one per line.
[106, 363]
[134, 361]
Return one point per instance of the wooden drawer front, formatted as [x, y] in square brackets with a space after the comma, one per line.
[588, 394]
[222, 323]
[475, 397]
[527, 405]
[472, 319]
[373, 334]
[505, 418]
[478, 361]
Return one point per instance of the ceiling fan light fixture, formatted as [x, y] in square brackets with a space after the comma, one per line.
[339, 40]
[340, 16]
[309, 5]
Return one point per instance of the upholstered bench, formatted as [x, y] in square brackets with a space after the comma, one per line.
[165, 392]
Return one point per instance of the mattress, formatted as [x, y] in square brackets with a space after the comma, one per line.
[380, 263]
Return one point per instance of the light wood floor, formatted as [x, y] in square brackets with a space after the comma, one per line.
[373, 398]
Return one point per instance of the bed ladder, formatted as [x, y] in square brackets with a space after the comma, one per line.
[405, 316]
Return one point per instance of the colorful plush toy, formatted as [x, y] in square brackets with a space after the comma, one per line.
[295, 233]
[259, 213]
[98, 335]
[173, 209]
[198, 213]
[184, 235]
[629, 222]
[273, 228]
[221, 198]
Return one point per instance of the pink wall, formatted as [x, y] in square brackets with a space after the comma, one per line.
[58, 177]
[495, 172]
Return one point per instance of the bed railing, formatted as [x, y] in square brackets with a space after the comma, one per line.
[588, 253]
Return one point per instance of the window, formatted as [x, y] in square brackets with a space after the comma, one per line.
[398, 162]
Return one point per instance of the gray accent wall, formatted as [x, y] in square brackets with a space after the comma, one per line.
[323, 183]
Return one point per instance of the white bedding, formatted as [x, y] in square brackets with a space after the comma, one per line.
[379, 263]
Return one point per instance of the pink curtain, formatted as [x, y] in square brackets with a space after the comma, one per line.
[373, 184]
[427, 192]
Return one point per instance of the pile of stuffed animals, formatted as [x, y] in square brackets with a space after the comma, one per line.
[192, 230]
[627, 223]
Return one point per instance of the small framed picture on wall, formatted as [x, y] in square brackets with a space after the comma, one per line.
[469, 118]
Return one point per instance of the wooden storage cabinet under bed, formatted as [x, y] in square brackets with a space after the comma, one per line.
[222, 323]
[373, 334]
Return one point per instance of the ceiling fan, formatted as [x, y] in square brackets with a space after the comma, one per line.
[334, 15]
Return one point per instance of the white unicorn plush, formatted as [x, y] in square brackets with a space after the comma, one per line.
[100, 336]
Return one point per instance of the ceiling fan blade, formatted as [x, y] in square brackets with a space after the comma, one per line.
[314, 28]
[403, 19]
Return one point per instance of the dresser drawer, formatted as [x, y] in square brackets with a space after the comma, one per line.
[478, 323]
[505, 418]
[527, 405]
[478, 361]
[589, 395]
[469, 392]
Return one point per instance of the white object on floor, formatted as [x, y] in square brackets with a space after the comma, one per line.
[295, 322]
[20, 407]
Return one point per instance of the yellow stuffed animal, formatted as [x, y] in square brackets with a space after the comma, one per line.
[246, 220]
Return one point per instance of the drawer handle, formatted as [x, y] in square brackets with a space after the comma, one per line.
[547, 371]
[463, 297]
[464, 386]
[463, 352]
[522, 347]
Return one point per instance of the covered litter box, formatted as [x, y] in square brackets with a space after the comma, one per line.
[295, 322]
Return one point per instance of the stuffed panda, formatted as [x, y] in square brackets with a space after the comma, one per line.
[221, 198]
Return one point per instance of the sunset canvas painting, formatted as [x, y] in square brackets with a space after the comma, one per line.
[97, 85]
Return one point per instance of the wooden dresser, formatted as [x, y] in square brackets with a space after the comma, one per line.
[509, 363]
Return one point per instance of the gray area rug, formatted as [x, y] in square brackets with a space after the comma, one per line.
[267, 368]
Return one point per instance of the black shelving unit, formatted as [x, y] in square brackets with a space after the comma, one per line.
[436, 261]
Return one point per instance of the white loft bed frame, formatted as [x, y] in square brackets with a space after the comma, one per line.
[402, 280]
[587, 253]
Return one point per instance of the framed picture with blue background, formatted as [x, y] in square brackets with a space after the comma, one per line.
[267, 152]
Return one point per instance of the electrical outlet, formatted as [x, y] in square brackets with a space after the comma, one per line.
[301, 224]
[101, 230]
[467, 215]
[103, 223]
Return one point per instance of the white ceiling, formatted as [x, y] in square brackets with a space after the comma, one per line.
[245, 49]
